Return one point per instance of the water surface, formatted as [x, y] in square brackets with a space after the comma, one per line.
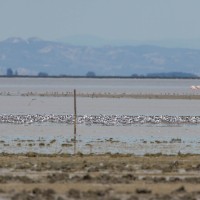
[146, 86]
[138, 139]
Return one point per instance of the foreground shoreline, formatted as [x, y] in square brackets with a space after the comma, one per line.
[106, 176]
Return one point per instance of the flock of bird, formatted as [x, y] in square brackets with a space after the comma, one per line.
[104, 120]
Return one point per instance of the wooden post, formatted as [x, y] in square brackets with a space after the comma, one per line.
[75, 116]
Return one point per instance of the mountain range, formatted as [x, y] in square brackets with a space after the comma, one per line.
[33, 56]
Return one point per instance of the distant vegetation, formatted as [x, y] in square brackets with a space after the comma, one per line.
[42, 74]
[172, 75]
[91, 74]
[10, 72]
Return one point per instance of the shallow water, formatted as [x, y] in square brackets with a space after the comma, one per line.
[136, 139]
[115, 106]
[146, 86]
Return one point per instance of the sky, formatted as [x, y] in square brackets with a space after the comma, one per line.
[137, 20]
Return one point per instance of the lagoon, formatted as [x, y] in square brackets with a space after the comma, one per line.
[134, 139]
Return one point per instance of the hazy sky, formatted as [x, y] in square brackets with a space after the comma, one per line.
[109, 19]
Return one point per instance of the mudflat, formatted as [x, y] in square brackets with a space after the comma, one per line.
[107, 176]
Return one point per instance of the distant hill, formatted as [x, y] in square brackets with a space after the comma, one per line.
[33, 56]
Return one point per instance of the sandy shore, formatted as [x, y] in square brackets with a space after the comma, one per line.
[105, 176]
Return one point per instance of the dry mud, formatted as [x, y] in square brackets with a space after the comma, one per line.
[116, 176]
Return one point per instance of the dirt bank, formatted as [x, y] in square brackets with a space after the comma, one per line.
[99, 177]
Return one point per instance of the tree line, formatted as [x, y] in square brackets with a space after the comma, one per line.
[91, 74]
